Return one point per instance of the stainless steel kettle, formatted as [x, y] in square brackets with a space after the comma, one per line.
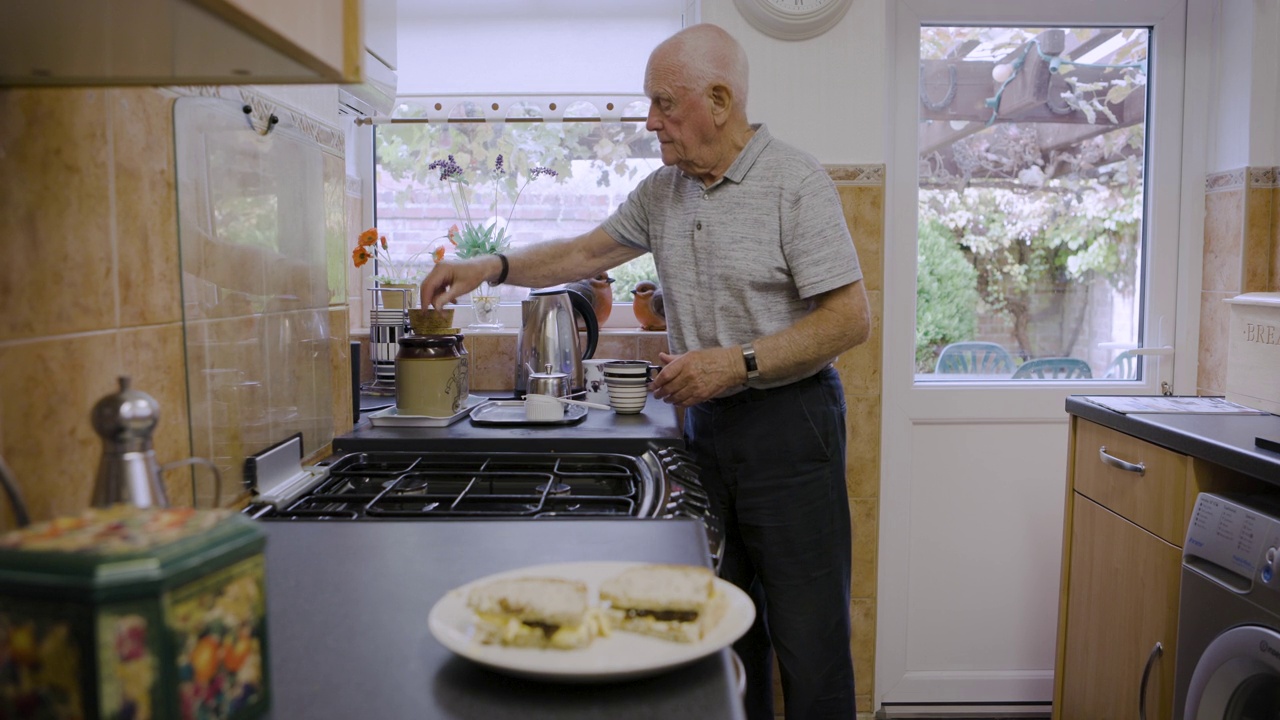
[549, 335]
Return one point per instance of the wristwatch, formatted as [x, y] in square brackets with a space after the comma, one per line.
[749, 357]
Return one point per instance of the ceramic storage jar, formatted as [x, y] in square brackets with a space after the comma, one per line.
[432, 377]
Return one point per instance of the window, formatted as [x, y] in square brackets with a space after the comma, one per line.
[1032, 169]
[597, 162]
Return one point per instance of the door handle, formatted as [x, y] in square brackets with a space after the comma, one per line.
[1156, 652]
[1115, 462]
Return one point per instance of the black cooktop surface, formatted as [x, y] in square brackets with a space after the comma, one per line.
[600, 431]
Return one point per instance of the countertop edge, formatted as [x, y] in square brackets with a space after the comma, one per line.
[1198, 442]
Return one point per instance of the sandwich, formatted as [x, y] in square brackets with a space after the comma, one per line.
[534, 612]
[672, 602]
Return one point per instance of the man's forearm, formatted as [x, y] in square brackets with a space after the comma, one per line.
[841, 320]
[559, 261]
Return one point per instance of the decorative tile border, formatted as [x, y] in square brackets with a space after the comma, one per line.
[264, 107]
[1228, 180]
[1264, 177]
[864, 175]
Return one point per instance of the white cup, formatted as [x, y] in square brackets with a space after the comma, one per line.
[593, 379]
[542, 408]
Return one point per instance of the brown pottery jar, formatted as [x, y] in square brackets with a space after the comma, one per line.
[432, 377]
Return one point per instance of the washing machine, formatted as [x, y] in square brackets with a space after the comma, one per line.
[1228, 659]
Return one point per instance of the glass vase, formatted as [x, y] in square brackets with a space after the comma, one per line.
[484, 303]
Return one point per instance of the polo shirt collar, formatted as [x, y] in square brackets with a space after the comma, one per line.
[756, 145]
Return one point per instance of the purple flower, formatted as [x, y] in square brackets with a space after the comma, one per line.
[536, 171]
[497, 166]
[449, 169]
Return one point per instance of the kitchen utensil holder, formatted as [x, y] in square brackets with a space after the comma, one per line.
[386, 327]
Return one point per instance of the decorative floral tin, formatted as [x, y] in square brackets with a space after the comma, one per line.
[131, 613]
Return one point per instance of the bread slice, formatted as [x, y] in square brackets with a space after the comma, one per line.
[672, 602]
[538, 612]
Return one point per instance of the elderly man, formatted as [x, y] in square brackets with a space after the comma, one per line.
[763, 290]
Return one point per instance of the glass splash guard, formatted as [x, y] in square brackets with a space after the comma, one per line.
[262, 249]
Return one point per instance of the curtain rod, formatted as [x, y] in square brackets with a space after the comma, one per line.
[419, 121]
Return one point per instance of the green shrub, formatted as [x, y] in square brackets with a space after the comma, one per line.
[946, 295]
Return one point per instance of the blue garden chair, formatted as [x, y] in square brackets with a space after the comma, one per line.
[1056, 368]
[975, 358]
[1124, 367]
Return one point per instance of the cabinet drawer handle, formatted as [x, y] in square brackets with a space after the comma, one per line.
[1156, 652]
[1115, 462]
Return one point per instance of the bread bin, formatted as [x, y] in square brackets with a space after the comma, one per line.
[127, 612]
[1253, 351]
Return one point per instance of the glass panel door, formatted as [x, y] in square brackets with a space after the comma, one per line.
[1032, 159]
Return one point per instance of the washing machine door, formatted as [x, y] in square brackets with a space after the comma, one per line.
[1237, 677]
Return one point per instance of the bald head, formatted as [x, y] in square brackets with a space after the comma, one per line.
[705, 55]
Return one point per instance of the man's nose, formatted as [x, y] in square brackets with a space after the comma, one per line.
[652, 122]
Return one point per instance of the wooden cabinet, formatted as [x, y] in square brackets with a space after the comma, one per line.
[1128, 505]
[177, 42]
[1123, 598]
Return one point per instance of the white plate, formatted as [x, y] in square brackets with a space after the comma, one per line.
[391, 417]
[620, 656]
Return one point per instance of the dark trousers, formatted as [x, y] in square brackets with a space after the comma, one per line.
[773, 464]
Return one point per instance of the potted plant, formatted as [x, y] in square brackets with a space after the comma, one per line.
[489, 237]
[403, 275]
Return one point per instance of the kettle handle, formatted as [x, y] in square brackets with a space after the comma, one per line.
[581, 304]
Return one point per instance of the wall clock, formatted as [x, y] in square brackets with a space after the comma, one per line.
[793, 19]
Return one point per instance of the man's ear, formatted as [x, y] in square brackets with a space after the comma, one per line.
[720, 97]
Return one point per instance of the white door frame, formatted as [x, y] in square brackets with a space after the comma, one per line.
[1174, 219]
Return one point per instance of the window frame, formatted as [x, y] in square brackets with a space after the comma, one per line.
[442, 109]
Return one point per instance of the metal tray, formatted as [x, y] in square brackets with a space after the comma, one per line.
[391, 417]
[511, 413]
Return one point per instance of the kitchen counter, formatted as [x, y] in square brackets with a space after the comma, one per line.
[631, 434]
[1222, 439]
[347, 621]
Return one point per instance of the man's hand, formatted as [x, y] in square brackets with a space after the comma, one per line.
[451, 279]
[698, 375]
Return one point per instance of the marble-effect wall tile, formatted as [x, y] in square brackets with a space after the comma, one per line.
[862, 423]
[1215, 318]
[617, 347]
[141, 122]
[340, 369]
[866, 531]
[1274, 283]
[1223, 240]
[56, 205]
[863, 615]
[1255, 260]
[49, 388]
[864, 214]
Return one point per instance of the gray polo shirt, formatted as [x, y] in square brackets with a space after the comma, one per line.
[743, 258]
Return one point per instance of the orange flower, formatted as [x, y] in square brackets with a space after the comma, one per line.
[369, 237]
[360, 255]
[383, 240]
[453, 234]
[438, 254]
